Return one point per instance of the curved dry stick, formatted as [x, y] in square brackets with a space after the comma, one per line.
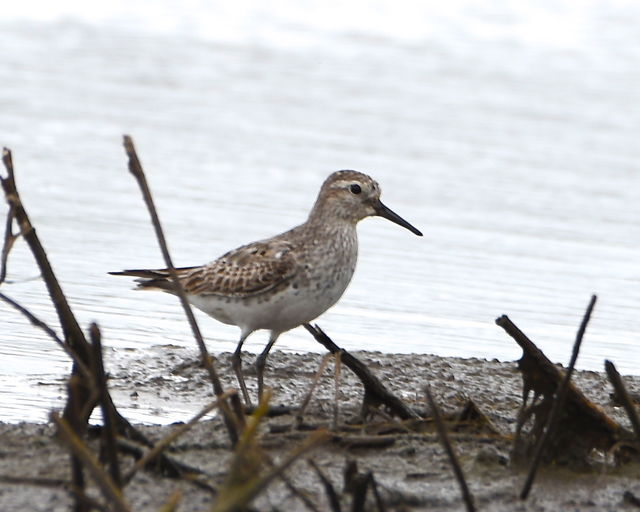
[374, 391]
[72, 332]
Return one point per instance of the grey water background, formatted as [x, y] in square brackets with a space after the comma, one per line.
[508, 133]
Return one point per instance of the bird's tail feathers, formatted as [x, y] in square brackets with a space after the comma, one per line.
[148, 279]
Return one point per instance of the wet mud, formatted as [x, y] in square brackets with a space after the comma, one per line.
[410, 468]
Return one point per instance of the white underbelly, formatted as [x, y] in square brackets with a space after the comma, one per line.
[317, 286]
[281, 311]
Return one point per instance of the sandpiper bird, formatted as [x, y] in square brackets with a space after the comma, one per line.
[287, 280]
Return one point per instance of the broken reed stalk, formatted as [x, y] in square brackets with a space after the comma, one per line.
[623, 396]
[9, 239]
[138, 173]
[109, 418]
[108, 488]
[444, 438]
[375, 392]
[172, 436]
[558, 404]
[78, 406]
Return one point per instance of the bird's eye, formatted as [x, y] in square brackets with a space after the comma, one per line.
[355, 188]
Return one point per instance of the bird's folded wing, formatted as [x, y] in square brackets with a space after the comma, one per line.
[249, 270]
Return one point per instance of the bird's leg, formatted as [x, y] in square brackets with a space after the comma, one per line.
[236, 364]
[261, 361]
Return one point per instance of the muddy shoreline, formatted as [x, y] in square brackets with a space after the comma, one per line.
[412, 470]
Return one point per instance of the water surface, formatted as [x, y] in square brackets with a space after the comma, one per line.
[506, 134]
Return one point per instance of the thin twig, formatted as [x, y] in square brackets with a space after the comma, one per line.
[336, 389]
[172, 436]
[558, 404]
[314, 384]
[444, 438]
[623, 396]
[79, 448]
[136, 170]
[52, 334]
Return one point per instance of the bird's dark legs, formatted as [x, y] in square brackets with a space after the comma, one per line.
[236, 363]
[261, 362]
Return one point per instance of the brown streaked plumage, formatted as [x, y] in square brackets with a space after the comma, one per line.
[287, 280]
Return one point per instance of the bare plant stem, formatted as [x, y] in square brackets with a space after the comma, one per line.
[136, 169]
[106, 405]
[558, 404]
[444, 438]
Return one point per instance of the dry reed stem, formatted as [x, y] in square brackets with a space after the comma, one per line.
[136, 170]
[109, 418]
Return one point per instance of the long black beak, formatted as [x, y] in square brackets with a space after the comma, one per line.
[383, 211]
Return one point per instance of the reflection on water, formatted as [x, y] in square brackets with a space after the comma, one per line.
[517, 158]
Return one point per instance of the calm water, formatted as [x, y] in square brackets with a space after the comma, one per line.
[508, 135]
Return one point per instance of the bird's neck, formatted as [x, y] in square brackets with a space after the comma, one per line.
[325, 219]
